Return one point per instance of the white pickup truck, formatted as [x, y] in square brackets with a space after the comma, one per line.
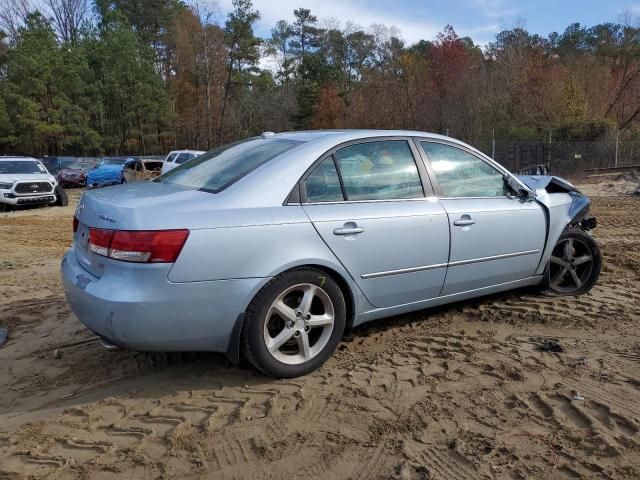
[25, 181]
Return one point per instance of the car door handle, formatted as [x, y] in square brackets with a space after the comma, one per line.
[348, 230]
[464, 221]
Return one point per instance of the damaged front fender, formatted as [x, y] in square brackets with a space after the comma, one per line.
[564, 206]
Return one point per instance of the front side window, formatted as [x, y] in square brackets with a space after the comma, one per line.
[462, 174]
[379, 171]
[323, 185]
[216, 170]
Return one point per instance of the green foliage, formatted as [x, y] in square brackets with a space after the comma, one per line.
[44, 94]
[574, 129]
[151, 75]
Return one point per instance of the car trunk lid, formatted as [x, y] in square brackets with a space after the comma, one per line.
[141, 206]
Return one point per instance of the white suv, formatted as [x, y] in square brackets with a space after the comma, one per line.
[25, 181]
[178, 157]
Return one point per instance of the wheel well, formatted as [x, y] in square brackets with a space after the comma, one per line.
[233, 349]
[346, 291]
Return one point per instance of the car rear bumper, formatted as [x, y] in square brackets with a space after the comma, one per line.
[136, 307]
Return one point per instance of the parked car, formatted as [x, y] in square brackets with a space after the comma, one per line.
[74, 174]
[276, 245]
[55, 164]
[141, 170]
[108, 172]
[25, 181]
[178, 157]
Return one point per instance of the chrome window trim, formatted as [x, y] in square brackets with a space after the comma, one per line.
[448, 264]
[345, 202]
[477, 154]
[501, 197]
[423, 175]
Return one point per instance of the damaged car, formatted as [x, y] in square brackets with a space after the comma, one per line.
[141, 170]
[273, 247]
[107, 172]
[74, 174]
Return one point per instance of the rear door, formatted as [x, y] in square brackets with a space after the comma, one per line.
[495, 237]
[368, 202]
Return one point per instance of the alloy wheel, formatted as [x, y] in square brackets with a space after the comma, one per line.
[571, 265]
[299, 323]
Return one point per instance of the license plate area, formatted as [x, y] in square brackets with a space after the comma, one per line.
[87, 259]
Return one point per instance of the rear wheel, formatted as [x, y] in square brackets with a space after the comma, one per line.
[575, 264]
[294, 323]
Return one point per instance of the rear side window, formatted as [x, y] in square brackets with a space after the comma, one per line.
[323, 185]
[462, 174]
[379, 171]
[218, 169]
[171, 157]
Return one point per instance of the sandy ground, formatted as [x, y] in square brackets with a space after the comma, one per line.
[461, 392]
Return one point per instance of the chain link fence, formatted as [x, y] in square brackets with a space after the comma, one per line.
[570, 159]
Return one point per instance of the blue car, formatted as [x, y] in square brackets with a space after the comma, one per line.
[108, 172]
[275, 246]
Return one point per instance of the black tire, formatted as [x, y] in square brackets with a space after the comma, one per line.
[562, 277]
[5, 208]
[61, 197]
[253, 342]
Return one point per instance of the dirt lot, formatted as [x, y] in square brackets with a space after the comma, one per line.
[459, 392]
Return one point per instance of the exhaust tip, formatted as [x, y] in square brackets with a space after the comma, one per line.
[107, 345]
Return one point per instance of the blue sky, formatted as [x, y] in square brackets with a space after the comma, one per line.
[479, 19]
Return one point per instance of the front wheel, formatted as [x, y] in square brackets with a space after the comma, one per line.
[61, 197]
[575, 264]
[294, 323]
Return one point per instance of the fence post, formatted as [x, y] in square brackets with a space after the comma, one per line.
[615, 162]
[549, 154]
[493, 143]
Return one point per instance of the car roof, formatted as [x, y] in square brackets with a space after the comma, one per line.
[30, 159]
[187, 151]
[355, 134]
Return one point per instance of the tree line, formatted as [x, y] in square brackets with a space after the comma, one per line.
[119, 77]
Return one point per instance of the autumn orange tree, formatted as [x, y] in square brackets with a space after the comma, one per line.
[147, 76]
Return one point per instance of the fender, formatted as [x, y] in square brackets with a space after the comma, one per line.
[564, 206]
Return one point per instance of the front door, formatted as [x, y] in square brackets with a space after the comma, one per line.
[368, 204]
[495, 237]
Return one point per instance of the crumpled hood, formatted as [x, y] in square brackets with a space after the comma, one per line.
[537, 182]
[26, 177]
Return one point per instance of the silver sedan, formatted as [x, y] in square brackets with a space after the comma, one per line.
[275, 246]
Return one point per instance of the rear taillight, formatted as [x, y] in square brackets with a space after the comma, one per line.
[75, 224]
[152, 246]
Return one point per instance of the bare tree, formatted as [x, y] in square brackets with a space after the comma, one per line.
[68, 16]
[13, 15]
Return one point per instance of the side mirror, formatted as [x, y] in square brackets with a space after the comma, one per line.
[519, 190]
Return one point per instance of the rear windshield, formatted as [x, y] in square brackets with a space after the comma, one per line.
[21, 166]
[153, 166]
[216, 170]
